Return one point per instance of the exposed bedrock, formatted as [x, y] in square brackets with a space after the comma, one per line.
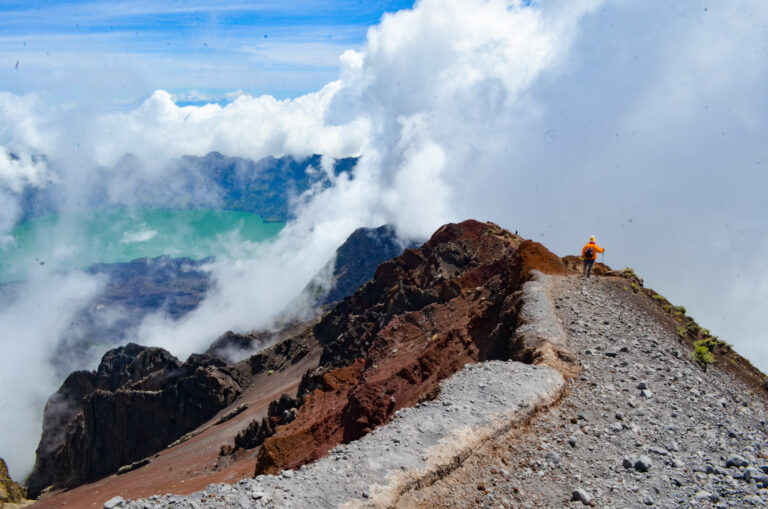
[139, 400]
[425, 315]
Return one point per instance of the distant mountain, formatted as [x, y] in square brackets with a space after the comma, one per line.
[133, 290]
[268, 187]
[356, 261]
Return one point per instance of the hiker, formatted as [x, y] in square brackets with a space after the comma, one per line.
[589, 255]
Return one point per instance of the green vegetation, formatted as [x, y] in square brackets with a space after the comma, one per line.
[657, 296]
[628, 272]
[635, 287]
[682, 332]
[702, 353]
[271, 371]
[679, 310]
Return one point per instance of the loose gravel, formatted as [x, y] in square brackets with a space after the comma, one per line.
[641, 426]
[419, 445]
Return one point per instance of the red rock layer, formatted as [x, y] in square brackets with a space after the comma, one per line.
[426, 314]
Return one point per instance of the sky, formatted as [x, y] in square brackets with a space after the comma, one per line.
[643, 123]
[118, 52]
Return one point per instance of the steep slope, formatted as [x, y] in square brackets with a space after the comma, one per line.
[10, 491]
[356, 262]
[425, 314]
[642, 425]
[633, 393]
[137, 401]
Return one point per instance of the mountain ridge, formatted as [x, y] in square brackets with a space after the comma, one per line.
[469, 270]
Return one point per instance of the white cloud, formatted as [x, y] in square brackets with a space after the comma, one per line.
[28, 337]
[252, 127]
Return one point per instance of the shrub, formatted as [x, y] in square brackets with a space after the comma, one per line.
[702, 354]
[682, 332]
[657, 296]
[679, 310]
[628, 272]
[635, 287]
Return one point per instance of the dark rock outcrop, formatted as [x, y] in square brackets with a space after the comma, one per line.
[355, 263]
[10, 491]
[138, 401]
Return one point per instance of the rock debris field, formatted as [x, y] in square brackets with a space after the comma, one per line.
[640, 425]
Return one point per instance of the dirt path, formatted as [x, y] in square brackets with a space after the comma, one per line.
[686, 424]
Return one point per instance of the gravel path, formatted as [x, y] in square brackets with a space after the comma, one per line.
[642, 426]
[418, 446]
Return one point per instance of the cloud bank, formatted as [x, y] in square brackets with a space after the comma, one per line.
[643, 124]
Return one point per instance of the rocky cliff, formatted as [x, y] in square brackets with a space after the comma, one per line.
[424, 315]
[136, 402]
[10, 491]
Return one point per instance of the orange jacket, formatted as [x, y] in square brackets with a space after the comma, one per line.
[595, 249]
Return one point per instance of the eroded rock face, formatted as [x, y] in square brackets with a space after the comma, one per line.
[425, 314]
[10, 491]
[138, 401]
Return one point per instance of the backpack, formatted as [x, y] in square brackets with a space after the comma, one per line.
[589, 253]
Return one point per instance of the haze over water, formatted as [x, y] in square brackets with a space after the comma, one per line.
[77, 241]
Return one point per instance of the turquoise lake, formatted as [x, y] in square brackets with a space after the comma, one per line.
[77, 241]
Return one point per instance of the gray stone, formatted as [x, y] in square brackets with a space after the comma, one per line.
[646, 394]
[553, 457]
[736, 461]
[643, 464]
[579, 495]
[754, 474]
[114, 503]
[642, 385]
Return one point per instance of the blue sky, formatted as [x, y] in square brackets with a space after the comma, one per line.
[121, 51]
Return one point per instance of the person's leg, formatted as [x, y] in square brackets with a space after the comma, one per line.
[589, 267]
[584, 271]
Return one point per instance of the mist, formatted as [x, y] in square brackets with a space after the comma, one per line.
[643, 124]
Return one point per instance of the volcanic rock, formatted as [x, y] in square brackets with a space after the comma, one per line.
[424, 315]
[355, 263]
[136, 402]
[10, 491]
